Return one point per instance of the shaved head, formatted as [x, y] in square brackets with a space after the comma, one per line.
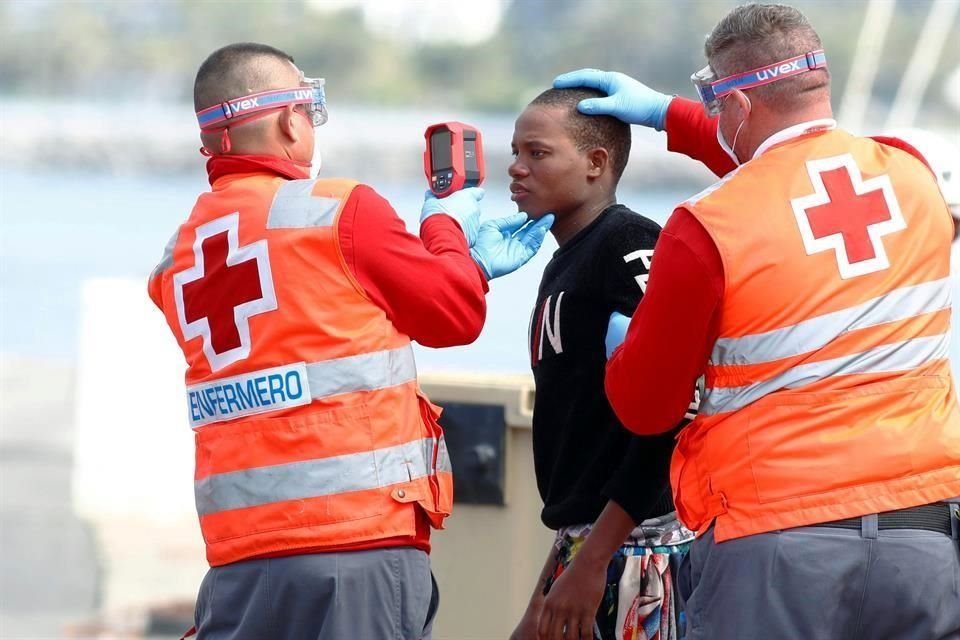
[241, 69]
[589, 132]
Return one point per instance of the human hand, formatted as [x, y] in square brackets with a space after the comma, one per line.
[627, 99]
[527, 627]
[616, 331]
[506, 244]
[570, 609]
[463, 206]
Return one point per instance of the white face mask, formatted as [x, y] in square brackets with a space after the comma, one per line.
[729, 148]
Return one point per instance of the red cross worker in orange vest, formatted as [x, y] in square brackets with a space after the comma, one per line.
[809, 291]
[320, 465]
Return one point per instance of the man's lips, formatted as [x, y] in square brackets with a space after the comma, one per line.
[517, 191]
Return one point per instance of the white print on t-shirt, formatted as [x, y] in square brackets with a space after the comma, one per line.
[646, 257]
[551, 329]
[545, 329]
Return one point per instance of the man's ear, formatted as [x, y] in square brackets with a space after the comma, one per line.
[742, 102]
[289, 124]
[597, 159]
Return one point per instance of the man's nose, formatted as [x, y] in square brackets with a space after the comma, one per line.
[517, 169]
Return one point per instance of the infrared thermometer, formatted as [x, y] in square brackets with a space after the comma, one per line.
[453, 159]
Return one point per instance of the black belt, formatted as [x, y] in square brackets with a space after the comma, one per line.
[929, 517]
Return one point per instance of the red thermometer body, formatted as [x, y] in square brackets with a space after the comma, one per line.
[453, 158]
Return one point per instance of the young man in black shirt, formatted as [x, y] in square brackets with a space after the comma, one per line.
[605, 491]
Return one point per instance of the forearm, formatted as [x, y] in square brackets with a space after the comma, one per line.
[650, 379]
[443, 239]
[429, 287]
[606, 536]
[452, 289]
[646, 403]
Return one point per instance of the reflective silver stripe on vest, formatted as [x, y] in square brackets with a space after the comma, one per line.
[167, 260]
[249, 394]
[815, 333]
[295, 208]
[364, 372]
[443, 456]
[315, 478]
[888, 358]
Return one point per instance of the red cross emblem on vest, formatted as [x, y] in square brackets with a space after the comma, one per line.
[226, 285]
[848, 215]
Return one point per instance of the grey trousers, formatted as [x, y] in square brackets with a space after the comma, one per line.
[819, 583]
[383, 594]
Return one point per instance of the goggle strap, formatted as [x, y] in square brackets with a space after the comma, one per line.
[224, 112]
[225, 143]
[809, 61]
[239, 120]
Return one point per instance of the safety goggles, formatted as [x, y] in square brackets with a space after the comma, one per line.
[310, 94]
[712, 91]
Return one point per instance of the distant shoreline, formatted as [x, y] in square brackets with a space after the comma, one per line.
[359, 141]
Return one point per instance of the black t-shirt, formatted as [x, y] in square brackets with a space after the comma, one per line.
[583, 456]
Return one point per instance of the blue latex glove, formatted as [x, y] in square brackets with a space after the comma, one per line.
[616, 331]
[506, 244]
[463, 206]
[627, 99]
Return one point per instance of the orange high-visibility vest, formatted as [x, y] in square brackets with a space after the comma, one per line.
[311, 431]
[828, 394]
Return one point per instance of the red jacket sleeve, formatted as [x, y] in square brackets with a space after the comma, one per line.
[903, 145]
[429, 287]
[692, 133]
[651, 377]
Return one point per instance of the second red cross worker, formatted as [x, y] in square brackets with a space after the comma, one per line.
[823, 471]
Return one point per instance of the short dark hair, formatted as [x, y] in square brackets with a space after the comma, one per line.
[754, 35]
[591, 131]
[234, 71]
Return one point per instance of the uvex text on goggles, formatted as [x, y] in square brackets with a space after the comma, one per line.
[248, 108]
[712, 91]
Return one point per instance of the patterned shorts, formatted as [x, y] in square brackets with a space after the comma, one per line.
[640, 600]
